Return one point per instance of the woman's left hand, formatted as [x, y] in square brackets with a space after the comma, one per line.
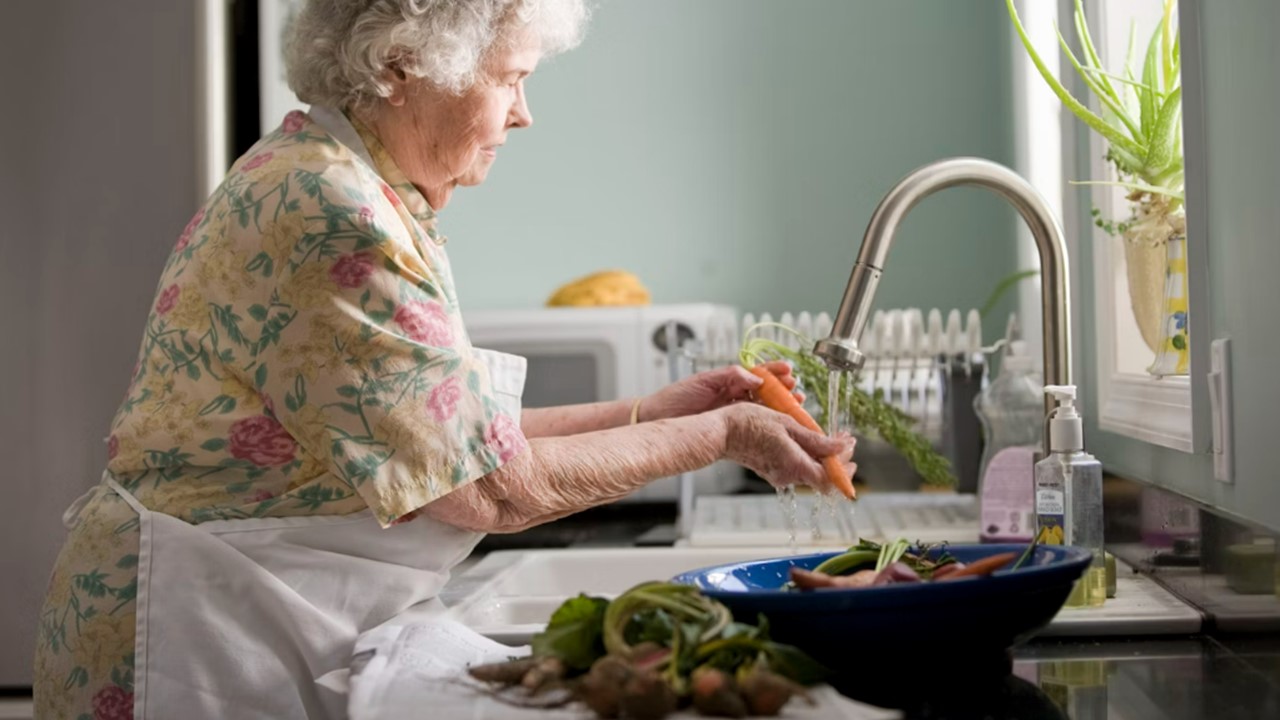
[710, 390]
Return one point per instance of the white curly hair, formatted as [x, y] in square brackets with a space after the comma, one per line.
[337, 51]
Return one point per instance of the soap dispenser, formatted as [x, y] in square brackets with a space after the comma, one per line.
[1069, 496]
[1011, 409]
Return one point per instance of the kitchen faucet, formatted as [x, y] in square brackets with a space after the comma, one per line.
[840, 348]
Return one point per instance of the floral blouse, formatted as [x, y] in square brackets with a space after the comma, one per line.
[306, 354]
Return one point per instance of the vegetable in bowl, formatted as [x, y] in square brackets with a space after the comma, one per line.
[968, 616]
[869, 564]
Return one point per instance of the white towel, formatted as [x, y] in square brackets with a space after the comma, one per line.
[419, 670]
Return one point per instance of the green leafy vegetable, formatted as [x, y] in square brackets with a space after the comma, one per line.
[651, 625]
[648, 642]
[574, 633]
[844, 562]
[793, 664]
[892, 553]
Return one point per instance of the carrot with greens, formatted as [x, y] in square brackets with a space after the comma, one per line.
[776, 396]
[985, 566]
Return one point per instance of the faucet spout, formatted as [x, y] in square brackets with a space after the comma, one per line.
[840, 349]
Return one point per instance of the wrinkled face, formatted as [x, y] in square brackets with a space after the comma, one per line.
[441, 140]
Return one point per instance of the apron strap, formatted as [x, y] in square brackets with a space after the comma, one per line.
[125, 495]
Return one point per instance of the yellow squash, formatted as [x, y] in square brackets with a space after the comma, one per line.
[609, 287]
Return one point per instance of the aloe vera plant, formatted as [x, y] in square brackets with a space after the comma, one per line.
[1140, 117]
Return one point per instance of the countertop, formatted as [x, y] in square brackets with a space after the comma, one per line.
[1177, 678]
[1218, 675]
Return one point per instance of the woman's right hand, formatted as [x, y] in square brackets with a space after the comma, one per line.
[779, 449]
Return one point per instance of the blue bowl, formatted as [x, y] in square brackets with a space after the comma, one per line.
[958, 618]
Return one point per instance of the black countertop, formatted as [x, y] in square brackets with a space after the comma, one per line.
[1218, 675]
[1178, 678]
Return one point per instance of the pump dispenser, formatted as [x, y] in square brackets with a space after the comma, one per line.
[1069, 495]
[1066, 428]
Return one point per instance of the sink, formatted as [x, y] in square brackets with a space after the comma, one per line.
[509, 595]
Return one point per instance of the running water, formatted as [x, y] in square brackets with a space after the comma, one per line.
[826, 504]
[815, 516]
[787, 503]
[839, 405]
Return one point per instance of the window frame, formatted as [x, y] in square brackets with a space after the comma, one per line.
[1170, 412]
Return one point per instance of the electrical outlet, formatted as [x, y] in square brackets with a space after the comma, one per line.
[1220, 401]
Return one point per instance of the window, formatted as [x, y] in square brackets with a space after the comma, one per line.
[1131, 401]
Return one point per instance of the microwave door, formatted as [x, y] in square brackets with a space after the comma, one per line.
[565, 373]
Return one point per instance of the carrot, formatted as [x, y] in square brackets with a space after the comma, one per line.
[776, 396]
[985, 566]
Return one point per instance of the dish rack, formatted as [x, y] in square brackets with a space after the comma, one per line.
[929, 367]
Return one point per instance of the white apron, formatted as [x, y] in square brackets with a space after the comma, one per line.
[237, 618]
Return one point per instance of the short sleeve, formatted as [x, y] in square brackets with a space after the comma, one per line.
[364, 360]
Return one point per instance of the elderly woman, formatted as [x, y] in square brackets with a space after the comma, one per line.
[309, 442]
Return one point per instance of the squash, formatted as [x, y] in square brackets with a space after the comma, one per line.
[608, 287]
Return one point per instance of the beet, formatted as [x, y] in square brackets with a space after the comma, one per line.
[601, 688]
[766, 692]
[646, 696]
[715, 694]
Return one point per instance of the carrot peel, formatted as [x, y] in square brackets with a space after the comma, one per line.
[775, 396]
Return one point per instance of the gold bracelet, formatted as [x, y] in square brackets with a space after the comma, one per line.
[635, 411]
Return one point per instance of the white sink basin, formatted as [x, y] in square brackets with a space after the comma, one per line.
[509, 595]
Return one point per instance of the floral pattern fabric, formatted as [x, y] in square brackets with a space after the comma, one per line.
[304, 355]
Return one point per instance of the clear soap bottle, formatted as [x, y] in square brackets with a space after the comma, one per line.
[1069, 496]
[1011, 409]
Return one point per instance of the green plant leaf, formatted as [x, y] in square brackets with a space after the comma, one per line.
[1086, 44]
[1086, 115]
[1110, 104]
[574, 633]
[650, 625]
[1151, 78]
[1128, 57]
[1094, 67]
[1170, 77]
[1160, 152]
[1142, 187]
[1177, 51]
[792, 663]
[1006, 284]
[1117, 78]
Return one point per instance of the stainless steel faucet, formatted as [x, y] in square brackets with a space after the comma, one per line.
[840, 349]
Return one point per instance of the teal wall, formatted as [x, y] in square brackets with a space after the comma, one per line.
[733, 151]
[1242, 102]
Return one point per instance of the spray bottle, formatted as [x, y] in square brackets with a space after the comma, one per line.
[1069, 496]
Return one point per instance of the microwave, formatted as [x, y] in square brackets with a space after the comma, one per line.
[595, 354]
